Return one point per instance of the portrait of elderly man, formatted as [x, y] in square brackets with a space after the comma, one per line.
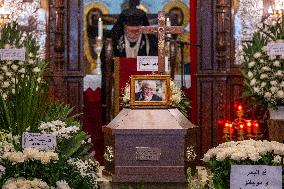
[148, 92]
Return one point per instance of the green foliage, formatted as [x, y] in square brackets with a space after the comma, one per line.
[61, 111]
[184, 105]
[70, 146]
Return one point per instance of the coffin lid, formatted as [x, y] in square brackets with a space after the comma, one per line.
[149, 121]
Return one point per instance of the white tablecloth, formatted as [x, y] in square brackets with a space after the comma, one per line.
[92, 81]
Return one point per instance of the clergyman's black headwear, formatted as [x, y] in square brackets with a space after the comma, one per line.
[134, 3]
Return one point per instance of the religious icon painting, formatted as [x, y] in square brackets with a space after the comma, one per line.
[150, 90]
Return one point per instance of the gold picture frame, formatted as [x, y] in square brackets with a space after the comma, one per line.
[150, 90]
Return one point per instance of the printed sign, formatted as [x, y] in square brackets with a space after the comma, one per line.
[275, 49]
[150, 63]
[256, 177]
[39, 141]
[148, 153]
[12, 54]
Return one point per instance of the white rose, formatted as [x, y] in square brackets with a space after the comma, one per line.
[7, 46]
[22, 70]
[4, 96]
[30, 55]
[276, 63]
[279, 73]
[236, 156]
[261, 61]
[6, 84]
[221, 156]
[263, 76]
[257, 55]
[273, 89]
[263, 84]
[280, 94]
[265, 68]
[9, 74]
[9, 62]
[21, 63]
[256, 89]
[277, 159]
[4, 68]
[282, 84]
[273, 83]
[282, 56]
[264, 48]
[253, 82]
[272, 57]
[31, 61]
[14, 67]
[1, 77]
[267, 95]
[254, 156]
[250, 74]
[251, 64]
[36, 70]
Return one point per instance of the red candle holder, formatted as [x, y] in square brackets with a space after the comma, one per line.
[242, 127]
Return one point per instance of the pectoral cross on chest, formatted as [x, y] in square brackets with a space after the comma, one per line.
[162, 30]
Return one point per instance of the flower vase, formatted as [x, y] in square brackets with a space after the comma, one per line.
[277, 113]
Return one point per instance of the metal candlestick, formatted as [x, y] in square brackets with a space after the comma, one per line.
[98, 49]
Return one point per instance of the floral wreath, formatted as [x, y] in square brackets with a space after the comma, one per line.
[177, 98]
[264, 73]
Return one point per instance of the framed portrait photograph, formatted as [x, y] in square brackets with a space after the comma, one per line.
[150, 90]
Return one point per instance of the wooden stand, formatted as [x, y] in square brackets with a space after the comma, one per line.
[276, 130]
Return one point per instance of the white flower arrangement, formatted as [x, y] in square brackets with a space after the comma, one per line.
[21, 11]
[22, 183]
[59, 129]
[30, 154]
[264, 73]
[247, 17]
[246, 150]
[87, 168]
[14, 72]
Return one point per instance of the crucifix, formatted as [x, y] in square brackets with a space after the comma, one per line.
[161, 30]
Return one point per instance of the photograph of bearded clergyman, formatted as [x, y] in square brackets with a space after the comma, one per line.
[149, 90]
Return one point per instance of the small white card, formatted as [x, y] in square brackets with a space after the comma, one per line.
[275, 49]
[256, 177]
[150, 63]
[39, 141]
[12, 54]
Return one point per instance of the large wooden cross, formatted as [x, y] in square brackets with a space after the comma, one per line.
[162, 30]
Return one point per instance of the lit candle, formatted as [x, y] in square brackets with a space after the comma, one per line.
[241, 125]
[168, 23]
[100, 28]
